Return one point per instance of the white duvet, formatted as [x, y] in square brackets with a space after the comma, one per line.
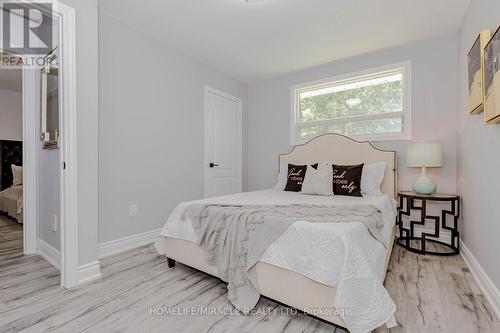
[330, 244]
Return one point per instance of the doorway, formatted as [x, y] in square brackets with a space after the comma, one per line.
[223, 143]
[65, 221]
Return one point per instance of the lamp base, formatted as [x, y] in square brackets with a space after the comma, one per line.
[424, 185]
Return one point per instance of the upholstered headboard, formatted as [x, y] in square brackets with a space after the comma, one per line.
[341, 149]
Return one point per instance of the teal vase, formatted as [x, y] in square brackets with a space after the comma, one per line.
[424, 185]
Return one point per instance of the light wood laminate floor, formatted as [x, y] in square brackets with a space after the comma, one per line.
[433, 294]
[11, 239]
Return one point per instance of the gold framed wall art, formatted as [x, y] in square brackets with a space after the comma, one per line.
[492, 79]
[475, 62]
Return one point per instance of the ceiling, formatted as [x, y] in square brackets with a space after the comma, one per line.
[254, 42]
[11, 79]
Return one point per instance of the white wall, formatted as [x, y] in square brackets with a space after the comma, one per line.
[479, 151]
[151, 128]
[87, 139]
[11, 115]
[434, 107]
[49, 196]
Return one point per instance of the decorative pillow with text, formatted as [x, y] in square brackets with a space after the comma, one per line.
[295, 177]
[347, 180]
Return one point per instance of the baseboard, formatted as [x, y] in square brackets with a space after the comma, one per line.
[50, 254]
[89, 272]
[127, 243]
[86, 273]
[490, 291]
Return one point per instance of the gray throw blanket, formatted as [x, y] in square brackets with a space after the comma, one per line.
[235, 237]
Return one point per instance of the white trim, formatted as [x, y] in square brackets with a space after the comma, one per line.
[31, 146]
[50, 254]
[89, 272]
[68, 137]
[120, 245]
[407, 104]
[208, 89]
[490, 291]
[221, 93]
[30, 104]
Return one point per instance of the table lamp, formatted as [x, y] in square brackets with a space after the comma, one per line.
[424, 155]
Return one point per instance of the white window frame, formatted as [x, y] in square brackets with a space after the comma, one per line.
[406, 113]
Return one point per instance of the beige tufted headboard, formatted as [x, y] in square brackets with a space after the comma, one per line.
[340, 149]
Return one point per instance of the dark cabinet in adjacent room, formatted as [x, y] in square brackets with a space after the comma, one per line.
[11, 152]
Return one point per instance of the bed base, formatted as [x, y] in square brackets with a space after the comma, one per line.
[279, 284]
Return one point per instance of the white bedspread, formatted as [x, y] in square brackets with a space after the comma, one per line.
[303, 241]
[330, 244]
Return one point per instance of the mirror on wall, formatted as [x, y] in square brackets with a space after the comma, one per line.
[50, 102]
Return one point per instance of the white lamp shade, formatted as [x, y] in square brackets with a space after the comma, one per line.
[424, 154]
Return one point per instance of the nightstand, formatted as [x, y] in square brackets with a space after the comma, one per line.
[443, 225]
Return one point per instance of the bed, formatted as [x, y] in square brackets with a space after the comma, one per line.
[285, 271]
[11, 202]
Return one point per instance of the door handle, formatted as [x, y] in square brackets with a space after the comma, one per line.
[213, 165]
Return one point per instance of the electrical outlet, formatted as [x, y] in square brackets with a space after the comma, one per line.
[54, 223]
[133, 210]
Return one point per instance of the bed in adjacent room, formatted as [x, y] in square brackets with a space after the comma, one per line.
[334, 271]
[11, 198]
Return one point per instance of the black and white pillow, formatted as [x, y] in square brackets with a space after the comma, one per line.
[295, 177]
[347, 180]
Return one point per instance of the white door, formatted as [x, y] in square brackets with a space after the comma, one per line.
[223, 135]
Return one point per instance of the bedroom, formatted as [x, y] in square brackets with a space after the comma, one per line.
[144, 147]
[11, 136]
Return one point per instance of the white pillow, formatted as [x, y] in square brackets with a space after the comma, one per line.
[318, 181]
[281, 181]
[372, 177]
[17, 175]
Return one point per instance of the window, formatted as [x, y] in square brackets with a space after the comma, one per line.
[374, 105]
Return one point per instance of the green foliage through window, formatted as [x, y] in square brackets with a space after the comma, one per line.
[372, 105]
